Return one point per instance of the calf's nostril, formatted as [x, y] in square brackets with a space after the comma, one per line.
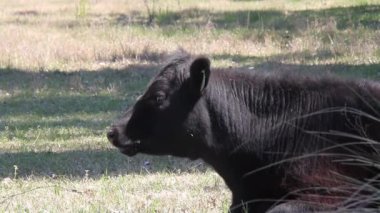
[112, 134]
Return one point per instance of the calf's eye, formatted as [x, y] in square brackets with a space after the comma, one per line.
[160, 99]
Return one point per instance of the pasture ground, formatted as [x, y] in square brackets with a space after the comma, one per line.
[69, 68]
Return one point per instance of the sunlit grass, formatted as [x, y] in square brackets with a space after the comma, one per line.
[52, 37]
[128, 193]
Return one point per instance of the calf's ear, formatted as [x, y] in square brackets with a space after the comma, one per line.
[199, 74]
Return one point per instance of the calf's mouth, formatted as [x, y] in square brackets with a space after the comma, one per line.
[125, 145]
[130, 148]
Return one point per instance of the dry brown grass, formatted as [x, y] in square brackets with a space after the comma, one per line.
[162, 192]
[52, 36]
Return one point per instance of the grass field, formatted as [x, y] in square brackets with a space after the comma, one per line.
[69, 68]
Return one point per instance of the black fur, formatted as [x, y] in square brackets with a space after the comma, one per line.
[272, 137]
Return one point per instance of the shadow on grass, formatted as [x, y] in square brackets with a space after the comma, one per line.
[304, 56]
[342, 17]
[272, 63]
[91, 163]
[366, 71]
[13, 80]
[49, 106]
[59, 94]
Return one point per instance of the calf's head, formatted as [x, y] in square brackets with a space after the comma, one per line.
[170, 116]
